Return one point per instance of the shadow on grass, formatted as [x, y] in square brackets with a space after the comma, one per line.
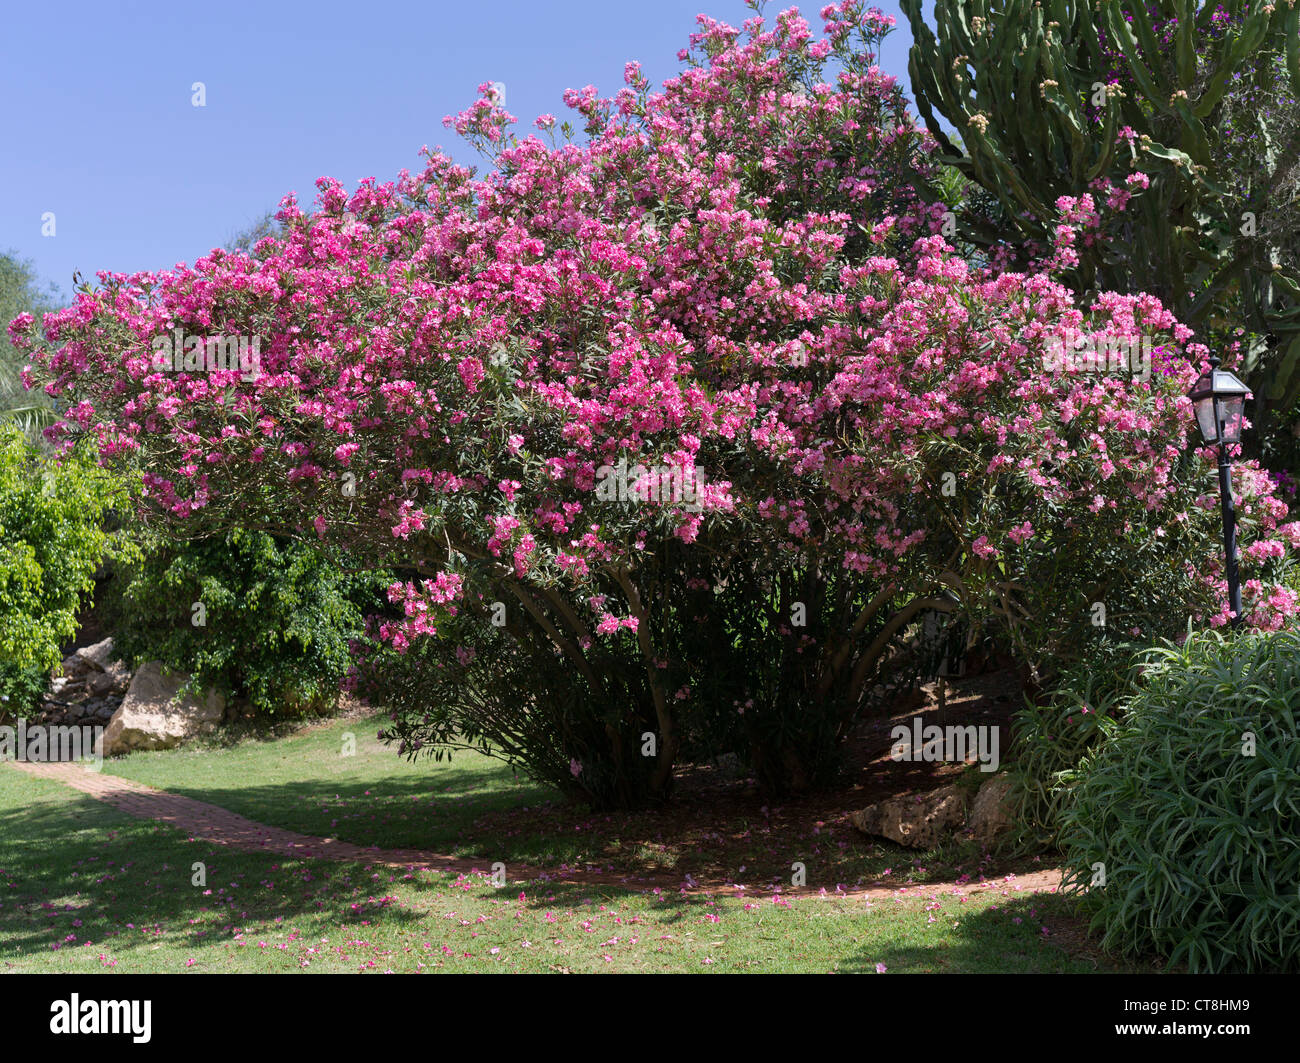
[493, 816]
[718, 829]
[80, 876]
[1038, 934]
[73, 871]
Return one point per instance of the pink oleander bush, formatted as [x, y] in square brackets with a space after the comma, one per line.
[734, 279]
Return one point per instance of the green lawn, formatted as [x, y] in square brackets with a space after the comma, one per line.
[84, 887]
[303, 782]
[476, 807]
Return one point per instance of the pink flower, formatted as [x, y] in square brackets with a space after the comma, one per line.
[471, 373]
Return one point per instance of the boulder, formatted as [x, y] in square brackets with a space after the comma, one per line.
[155, 716]
[93, 667]
[74, 668]
[918, 821]
[95, 658]
[100, 683]
[989, 814]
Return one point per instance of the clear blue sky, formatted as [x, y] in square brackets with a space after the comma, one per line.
[98, 126]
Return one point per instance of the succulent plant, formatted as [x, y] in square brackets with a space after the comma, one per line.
[1040, 92]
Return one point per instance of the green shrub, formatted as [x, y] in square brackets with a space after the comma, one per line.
[1050, 738]
[741, 675]
[507, 691]
[52, 540]
[21, 687]
[758, 679]
[1192, 804]
[247, 615]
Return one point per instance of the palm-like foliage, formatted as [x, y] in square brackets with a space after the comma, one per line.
[32, 411]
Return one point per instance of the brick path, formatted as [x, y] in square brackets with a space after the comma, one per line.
[211, 823]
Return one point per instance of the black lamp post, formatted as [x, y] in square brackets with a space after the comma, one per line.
[1219, 399]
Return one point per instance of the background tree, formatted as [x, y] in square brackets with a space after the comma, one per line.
[1062, 99]
[247, 239]
[20, 292]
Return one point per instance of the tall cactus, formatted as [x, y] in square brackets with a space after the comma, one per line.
[1026, 84]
